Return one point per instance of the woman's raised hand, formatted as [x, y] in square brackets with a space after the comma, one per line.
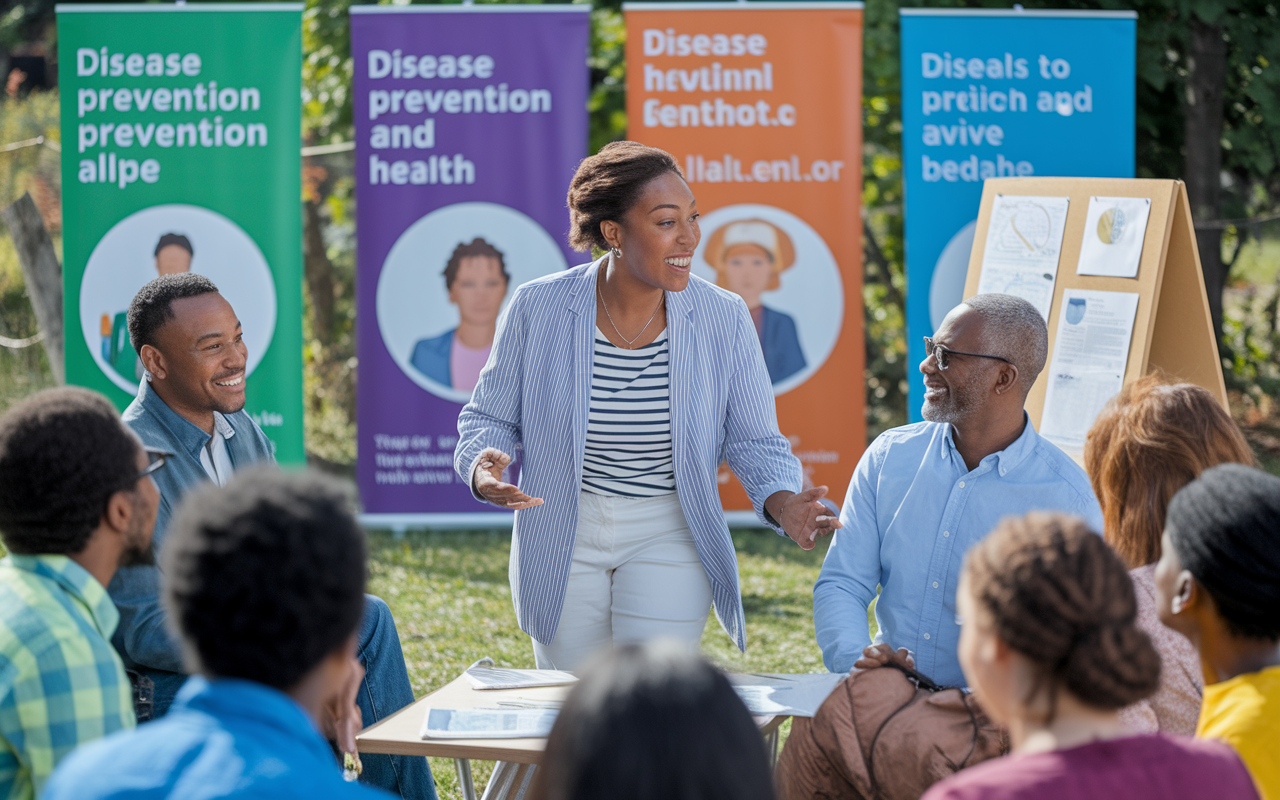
[487, 481]
[802, 516]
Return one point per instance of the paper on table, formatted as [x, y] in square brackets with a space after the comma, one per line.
[486, 723]
[1113, 234]
[1024, 241]
[1089, 358]
[790, 695]
[484, 678]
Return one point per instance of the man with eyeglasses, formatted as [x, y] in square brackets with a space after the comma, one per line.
[77, 502]
[191, 404]
[922, 494]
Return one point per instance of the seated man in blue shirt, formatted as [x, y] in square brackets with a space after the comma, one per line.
[265, 580]
[924, 493]
[191, 404]
[76, 502]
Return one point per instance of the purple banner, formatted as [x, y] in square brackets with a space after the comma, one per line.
[469, 123]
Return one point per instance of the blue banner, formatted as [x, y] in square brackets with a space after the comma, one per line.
[996, 94]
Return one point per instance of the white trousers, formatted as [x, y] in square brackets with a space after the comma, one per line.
[635, 576]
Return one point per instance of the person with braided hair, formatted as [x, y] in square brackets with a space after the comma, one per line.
[1149, 441]
[1218, 583]
[1050, 648]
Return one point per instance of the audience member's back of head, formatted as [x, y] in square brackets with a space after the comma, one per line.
[1148, 442]
[63, 453]
[1225, 529]
[654, 721]
[265, 577]
[1057, 594]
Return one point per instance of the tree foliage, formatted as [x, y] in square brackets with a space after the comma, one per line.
[1248, 152]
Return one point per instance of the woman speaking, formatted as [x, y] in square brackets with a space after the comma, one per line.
[626, 382]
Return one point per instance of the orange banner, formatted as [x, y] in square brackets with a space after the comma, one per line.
[761, 104]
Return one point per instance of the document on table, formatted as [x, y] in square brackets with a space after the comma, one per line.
[487, 723]
[1024, 241]
[1113, 234]
[789, 695]
[1090, 353]
[484, 678]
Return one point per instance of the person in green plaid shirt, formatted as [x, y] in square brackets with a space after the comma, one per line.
[76, 502]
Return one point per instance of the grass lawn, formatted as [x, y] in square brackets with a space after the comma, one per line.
[452, 603]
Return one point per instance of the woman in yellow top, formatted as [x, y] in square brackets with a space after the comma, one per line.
[1218, 583]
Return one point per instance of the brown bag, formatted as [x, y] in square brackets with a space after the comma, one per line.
[885, 734]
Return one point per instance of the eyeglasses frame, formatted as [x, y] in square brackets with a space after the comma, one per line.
[161, 457]
[934, 348]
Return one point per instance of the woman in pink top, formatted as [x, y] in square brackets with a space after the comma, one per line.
[1147, 443]
[1050, 648]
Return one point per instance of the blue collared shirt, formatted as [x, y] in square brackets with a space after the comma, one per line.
[142, 638]
[224, 738]
[912, 511]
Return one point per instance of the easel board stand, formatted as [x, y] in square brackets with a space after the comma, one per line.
[1173, 331]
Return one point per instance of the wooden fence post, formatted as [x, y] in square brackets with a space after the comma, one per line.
[43, 275]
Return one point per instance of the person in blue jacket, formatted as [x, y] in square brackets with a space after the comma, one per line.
[749, 256]
[476, 278]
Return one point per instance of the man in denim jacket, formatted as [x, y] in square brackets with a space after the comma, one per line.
[191, 404]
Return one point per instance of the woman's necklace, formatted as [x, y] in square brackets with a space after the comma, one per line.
[630, 342]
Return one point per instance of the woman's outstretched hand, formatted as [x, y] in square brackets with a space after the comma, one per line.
[802, 516]
[487, 480]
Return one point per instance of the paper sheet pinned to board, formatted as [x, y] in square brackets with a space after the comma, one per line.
[1114, 231]
[1024, 241]
[1090, 353]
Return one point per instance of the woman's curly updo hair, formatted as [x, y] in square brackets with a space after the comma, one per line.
[1059, 595]
[608, 184]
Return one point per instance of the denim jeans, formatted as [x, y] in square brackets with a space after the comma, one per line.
[385, 691]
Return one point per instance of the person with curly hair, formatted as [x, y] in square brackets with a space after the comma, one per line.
[476, 279]
[1051, 649]
[1217, 584]
[191, 404]
[625, 382]
[264, 584]
[1149, 441]
[76, 502]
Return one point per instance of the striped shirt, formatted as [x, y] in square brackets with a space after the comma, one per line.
[628, 450]
[61, 682]
[534, 397]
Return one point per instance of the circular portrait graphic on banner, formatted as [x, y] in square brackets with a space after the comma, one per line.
[785, 272]
[166, 240]
[446, 281]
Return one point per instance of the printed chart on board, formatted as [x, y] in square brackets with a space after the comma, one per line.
[1023, 246]
[1090, 353]
[1113, 235]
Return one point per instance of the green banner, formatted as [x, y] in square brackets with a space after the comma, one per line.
[180, 138]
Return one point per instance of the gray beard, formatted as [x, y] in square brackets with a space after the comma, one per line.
[960, 403]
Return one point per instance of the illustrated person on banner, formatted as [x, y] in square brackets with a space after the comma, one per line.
[476, 278]
[173, 256]
[749, 257]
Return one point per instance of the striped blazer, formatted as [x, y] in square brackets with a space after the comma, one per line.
[534, 396]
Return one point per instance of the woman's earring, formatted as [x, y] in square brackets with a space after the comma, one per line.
[617, 251]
